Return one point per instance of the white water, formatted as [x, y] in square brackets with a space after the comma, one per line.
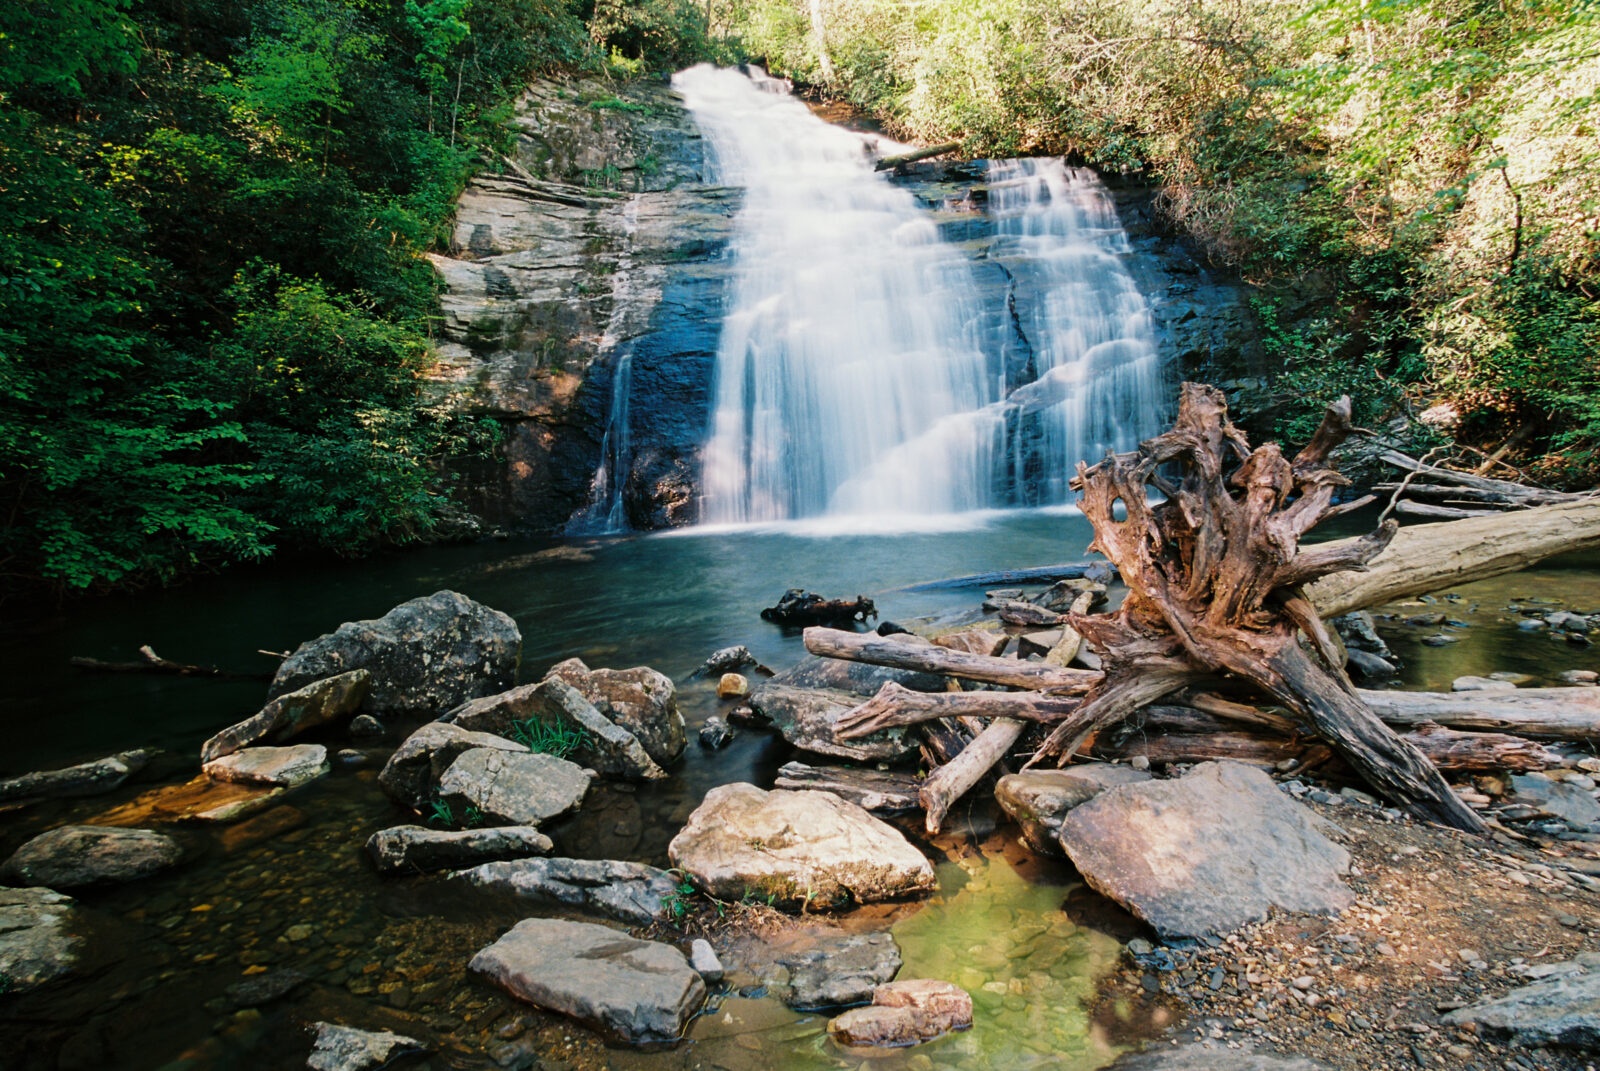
[852, 379]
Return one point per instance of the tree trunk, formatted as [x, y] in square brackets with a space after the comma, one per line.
[898, 705]
[954, 779]
[1553, 713]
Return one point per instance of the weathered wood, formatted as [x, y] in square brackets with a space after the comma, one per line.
[1017, 612]
[917, 154]
[1448, 513]
[1516, 492]
[897, 705]
[928, 658]
[153, 663]
[800, 607]
[1429, 557]
[1042, 574]
[953, 780]
[1071, 641]
[886, 791]
[1549, 713]
[942, 741]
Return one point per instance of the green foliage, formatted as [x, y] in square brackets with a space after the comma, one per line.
[646, 36]
[549, 737]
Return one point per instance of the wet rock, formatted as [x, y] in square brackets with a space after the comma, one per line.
[1555, 799]
[1580, 676]
[840, 970]
[288, 767]
[716, 732]
[84, 779]
[1481, 684]
[348, 758]
[703, 958]
[805, 717]
[1207, 853]
[321, 702]
[37, 942]
[1562, 1008]
[639, 700]
[198, 800]
[343, 1048]
[75, 856]
[905, 1013]
[412, 772]
[425, 656]
[628, 892]
[1208, 1056]
[366, 727]
[1368, 665]
[1038, 800]
[262, 989]
[514, 789]
[638, 991]
[801, 848]
[409, 849]
[726, 660]
[733, 686]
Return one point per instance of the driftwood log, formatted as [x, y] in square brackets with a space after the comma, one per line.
[888, 651]
[916, 154]
[800, 607]
[150, 662]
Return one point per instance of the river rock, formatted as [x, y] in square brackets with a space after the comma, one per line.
[289, 767]
[839, 970]
[905, 1013]
[84, 779]
[416, 848]
[628, 892]
[639, 991]
[1368, 665]
[74, 856]
[607, 747]
[801, 848]
[1038, 800]
[425, 656]
[412, 772]
[1562, 1008]
[344, 1048]
[726, 660]
[37, 945]
[733, 686]
[1206, 1056]
[1556, 799]
[716, 732]
[318, 703]
[639, 700]
[805, 717]
[199, 799]
[514, 789]
[703, 958]
[1481, 684]
[1207, 853]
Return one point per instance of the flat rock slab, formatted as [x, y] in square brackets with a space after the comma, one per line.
[198, 800]
[84, 779]
[1557, 799]
[806, 716]
[413, 849]
[638, 991]
[1038, 800]
[1562, 1008]
[331, 699]
[514, 789]
[628, 892]
[640, 700]
[287, 767]
[840, 970]
[1204, 1056]
[1207, 853]
[414, 770]
[905, 1013]
[425, 656]
[798, 848]
[37, 943]
[343, 1048]
[72, 857]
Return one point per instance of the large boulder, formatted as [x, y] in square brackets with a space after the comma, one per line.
[806, 716]
[412, 849]
[837, 971]
[37, 943]
[1207, 853]
[425, 656]
[606, 747]
[288, 767]
[638, 991]
[514, 789]
[84, 779]
[629, 892]
[412, 772]
[640, 700]
[344, 1048]
[71, 857]
[1561, 1008]
[330, 699]
[1038, 800]
[799, 848]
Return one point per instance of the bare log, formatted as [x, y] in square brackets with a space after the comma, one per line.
[150, 662]
[1512, 491]
[1040, 574]
[886, 651]
[1016, 612]
[1428, 557]
[954, 779]
[873, 790]
[1071, 642]
[1438, 512]
[1550, 713]
[917, 154]
[897, 705]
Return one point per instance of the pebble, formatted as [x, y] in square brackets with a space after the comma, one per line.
[1304, 982]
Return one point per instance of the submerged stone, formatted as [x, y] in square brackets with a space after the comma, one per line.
[71, 857]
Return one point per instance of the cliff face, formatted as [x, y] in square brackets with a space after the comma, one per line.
[600, 248]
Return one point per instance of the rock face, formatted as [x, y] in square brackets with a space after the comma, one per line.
[409, 849]
[639, 700]
[628, 892]
[1207, 853]
[343, 1048]
[905, 1013]
[318, 703]
[1561, 1008]
[37, 944]
[638, 991]
[514, 789]
[425, 656]
[285, 766]
[84, 779]
[840, 971]
[75, 856]
[1038, 800]
[802, 848]
[416, 766]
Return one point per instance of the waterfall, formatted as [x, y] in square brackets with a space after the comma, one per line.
[858, 373]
